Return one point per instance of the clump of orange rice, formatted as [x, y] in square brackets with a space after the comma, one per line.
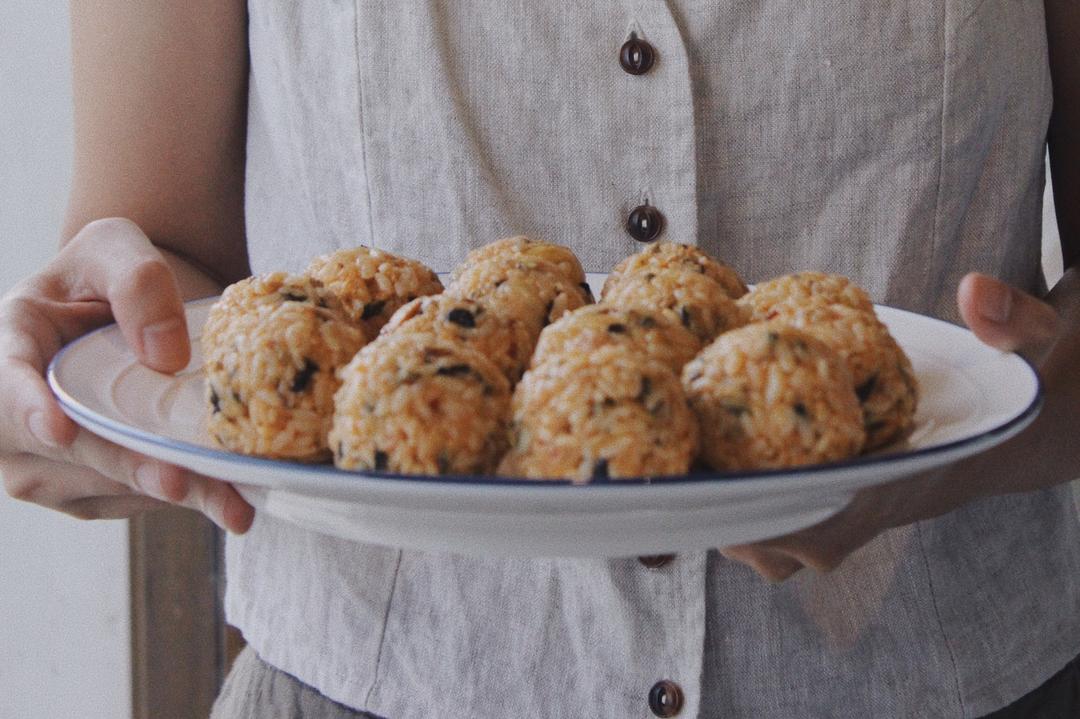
[797, 290]
[272, 345]
[587, 329]
[770, 396]
[418, 403]
[608, 414]
[884, 380]
[532, 291]
[690, 298]
[505, 341]
[674, 256]
[372, 284]
[521, 248]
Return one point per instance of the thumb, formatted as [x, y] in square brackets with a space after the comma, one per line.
[1004, 317]
[113, 260]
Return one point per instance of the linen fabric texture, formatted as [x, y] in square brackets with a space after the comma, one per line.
[900, 144]
[256, 690]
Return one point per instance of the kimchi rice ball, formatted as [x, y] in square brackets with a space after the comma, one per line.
[695, 301]
[420, 404]
[589, 328]
[272, 346]
[372, 284]
[532, 291]
[884, 380]
[800, 289]
[608, 414]
[505, 341]
[671, 255]
[512, 249]
[770, 396]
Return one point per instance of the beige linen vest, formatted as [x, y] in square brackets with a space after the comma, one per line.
[900, 143]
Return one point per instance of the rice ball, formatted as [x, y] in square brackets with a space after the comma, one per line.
[534, 292]
[800, 289]
[671, 255]
[884, 380]
[272, 346]
[521, 248]
[420, 404]
[372, 284]
[506, 341]
[592, 327]
[609, 414]
[769, 396]
[691, 298]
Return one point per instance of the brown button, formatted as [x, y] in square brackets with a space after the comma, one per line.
[645, 223]
[655, 561]
[636, 56]
[665, 698]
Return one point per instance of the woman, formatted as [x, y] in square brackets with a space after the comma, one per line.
[901, 145]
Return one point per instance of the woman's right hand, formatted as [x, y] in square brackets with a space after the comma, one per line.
[109, 271]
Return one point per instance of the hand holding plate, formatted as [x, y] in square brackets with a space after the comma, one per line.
[109, 270]
[1003, 317]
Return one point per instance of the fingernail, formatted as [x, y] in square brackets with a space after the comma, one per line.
[997, 304]
[40, 429]
[159, 339]
[148, 477]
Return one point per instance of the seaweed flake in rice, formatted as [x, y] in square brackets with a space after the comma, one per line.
[504, 340]
[692, 299]
[589, 328]
[770, 396]
[418, 403]
[272, 345]
[597, 417]
[674, 256]
[372, 284]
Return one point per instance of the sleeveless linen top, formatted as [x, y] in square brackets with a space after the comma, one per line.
[898, 143]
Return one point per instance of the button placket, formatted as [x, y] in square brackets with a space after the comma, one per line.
[676, 582]
[657, 155]
[637, 56]
[657, 176]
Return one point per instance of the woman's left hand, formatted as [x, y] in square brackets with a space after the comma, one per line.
[1007, 319]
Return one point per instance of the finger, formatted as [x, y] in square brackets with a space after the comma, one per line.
[820, 558]
[220, 502]
[114, 260]
[825, 546]
[117, 507]
[217, 500]
[772, 565]
[27, 339]
[69, 488]
[88, 494]
[1004, 317]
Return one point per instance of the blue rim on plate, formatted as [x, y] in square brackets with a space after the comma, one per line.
[76, 408]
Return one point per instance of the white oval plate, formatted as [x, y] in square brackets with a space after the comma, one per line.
[972, 397]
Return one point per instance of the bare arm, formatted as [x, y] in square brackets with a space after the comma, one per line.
[160, 110]
[155, 216]
[1063, 35]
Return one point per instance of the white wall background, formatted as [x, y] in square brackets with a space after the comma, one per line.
[64, 628]
[64, 623]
